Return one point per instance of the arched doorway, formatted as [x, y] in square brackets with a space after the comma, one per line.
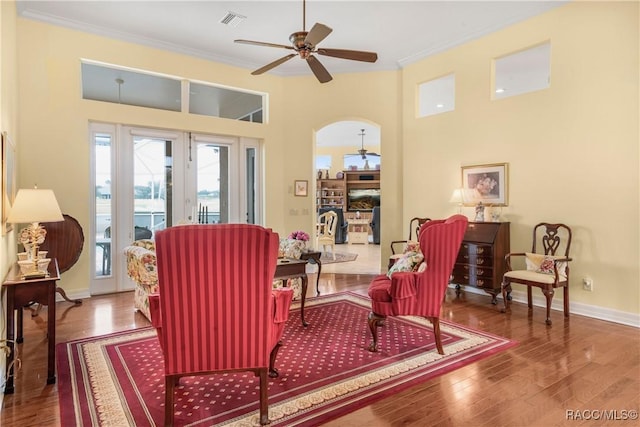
[348, 162]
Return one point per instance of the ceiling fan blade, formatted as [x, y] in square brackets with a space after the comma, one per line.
[273, 64]
[255, 43]
[355, 55]
[318, 69]
[317, 34]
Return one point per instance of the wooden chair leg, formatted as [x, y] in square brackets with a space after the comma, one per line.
[264, 402]
[506, 291]
[169, 382]
[548, 293]
[375, 321]
[436, 332]
[273, 372]
[566, 300]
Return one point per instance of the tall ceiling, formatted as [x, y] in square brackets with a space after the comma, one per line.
[401, 32]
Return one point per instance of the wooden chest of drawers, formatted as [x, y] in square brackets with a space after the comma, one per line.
[480, 262]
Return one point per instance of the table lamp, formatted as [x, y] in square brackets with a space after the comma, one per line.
[34, 206]
[457, 197]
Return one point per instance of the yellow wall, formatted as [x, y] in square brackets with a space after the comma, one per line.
[54, 120]
[8, 123]
[572, 149]
[8, 106]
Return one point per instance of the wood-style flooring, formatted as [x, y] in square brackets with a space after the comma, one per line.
[580, 365]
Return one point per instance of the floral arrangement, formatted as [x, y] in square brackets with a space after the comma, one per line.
[299, 235]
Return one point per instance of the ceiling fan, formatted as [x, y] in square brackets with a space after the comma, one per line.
[362, 150]
[305, 44]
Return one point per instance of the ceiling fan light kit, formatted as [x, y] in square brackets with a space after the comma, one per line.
[304, 43]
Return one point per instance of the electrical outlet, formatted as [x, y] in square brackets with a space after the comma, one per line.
[587, 284]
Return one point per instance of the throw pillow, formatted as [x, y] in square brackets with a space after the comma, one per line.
[544, 264]
[412, 246]
[407, 262]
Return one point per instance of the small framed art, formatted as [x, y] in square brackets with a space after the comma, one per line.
[486, 183]
[301, 188]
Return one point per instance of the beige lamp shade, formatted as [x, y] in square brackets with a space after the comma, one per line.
[457, 196]
[35, 205]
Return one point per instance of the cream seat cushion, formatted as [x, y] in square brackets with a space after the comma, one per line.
[531, 276]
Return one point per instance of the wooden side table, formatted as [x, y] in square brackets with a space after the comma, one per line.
[289, 268]
[314, 258]
[21, 292]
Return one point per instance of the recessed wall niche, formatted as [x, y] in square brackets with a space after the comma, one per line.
[525, 71]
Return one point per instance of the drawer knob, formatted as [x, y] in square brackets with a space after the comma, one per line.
[480, 261]
[479, 250]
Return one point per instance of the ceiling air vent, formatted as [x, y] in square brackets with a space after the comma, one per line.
[232, 19]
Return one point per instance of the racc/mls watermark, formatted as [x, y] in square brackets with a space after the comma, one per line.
[601, 414]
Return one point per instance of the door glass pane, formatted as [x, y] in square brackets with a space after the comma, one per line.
[103, 204]
[152, 177]
[251, 185]
[212, 183]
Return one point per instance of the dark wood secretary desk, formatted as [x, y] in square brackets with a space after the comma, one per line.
[21, 292]
[480, 262]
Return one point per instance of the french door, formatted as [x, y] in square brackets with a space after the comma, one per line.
[145, 180]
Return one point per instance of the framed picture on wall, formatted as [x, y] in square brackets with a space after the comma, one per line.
[8, 179]
[486, 183]
[301, 188]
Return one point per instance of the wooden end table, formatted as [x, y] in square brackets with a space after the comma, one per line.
[314, 258]
[21, 292]
[289, 268]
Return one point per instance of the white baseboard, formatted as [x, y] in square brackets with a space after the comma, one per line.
[593, 311]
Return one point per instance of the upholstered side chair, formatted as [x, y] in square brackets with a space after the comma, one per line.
[216, 310]
[419, 293]
[547, 266]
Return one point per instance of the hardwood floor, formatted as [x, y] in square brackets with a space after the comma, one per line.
[580, 364]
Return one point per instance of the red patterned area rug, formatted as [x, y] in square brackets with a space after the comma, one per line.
[325, 371]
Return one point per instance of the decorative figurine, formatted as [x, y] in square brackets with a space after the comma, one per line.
[479, 212]
[326, 175]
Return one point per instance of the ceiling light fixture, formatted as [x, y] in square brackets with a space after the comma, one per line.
[500, 90]
[362, 151]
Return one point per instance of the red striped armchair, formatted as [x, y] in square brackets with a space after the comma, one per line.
[419, 293]
[216, 310]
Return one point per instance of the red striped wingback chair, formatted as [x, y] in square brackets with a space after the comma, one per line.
[216, 310]
[419, 293]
